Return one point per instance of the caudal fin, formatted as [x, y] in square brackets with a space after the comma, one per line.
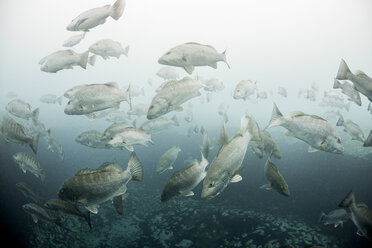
[368, 141]
[276, 117]
[84, 59]
[34, 142]
[117, 9]
[343, 70]
[126, 51]
[224, 59]
[349, 199]
[340, 121]
[336, 84]
[135, 167]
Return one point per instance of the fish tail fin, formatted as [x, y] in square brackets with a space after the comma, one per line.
[321, 217]
[126, 51]
[35, 115]
[117, 9]
[349, 199]
[84, 59]
[135, 167]
[59, 100]
[368, 141]
[34, 142]
[343, 70]
[87, 218]
[336, 84]
[224, 58]
[340, 121]
[175, 120]
[92, 60]
[276, 117]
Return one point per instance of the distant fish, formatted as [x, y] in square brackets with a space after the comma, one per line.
[349, 90]
[368, 141]
[308, 94]
[28, 163]
[138, 109]
[352, 129]
[336, 217]
[159, 124]
[129, 137]
[91, 138]
[244, 89]
[214, 85]
[167, 73]
[63, 59]
[334, 99]
[54, 145]
[192, 54]
[73, 40]
[361, 215]
[15, 132]
[51, 99]
[97, 16]
[28, 192]
[107, 48]
[276, 180]
[223, 135]
[312, 129]
[282, 91]
[117, 116]
[361, 81]
[134, 90]
[262, 95]
[189, 115]
[40, 213]
[21, 109]
[270, 146]
[167, 160]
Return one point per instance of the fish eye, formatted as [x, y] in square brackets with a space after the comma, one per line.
[211, 185]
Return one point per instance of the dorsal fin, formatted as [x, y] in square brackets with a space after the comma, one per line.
[297, 114]
[109, 166]
[112, 84]
[85, 171]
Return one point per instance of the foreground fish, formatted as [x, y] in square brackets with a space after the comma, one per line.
[336, 217]
[51, 99]
[368, 141]
[73, 40]
[167, 73]
[108, 48]
[129, 137]
[361, 81]
[63, 59]
[312, 129]
[244, 89]
[95, 97]
[91, 138]
[159, 124]
[352, 129]
[184, 181]
[15, 132]
[349, 90]
[97, 16]
[226, 166]
[167, 160]
[361, 215]
[276, 180]
[172, 95]
[39, 213]
[28, 163]
[28, 192]
[91, 187]
[21, 109]
[192, 54]
[64, 207]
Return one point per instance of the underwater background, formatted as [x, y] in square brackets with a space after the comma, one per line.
[290, 44]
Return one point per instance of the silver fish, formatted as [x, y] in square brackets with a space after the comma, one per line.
[129, 137]
[63, 59]
[336, 217]
[167, 160]
[28, 163]
[21, 109]
[107, 48]
[282, 91]
[51, 99]
[244, 89]
[270, 146]
[73, 40]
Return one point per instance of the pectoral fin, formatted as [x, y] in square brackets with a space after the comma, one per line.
[189, 69]
[189, 194]
[92, 208]
[360, 233]
[266, 186]
[129, 148]
[236, 178]
[312, 149]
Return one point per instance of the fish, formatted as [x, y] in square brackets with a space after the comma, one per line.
[282, 91]
[116, 116]
[244, 89]
[335, 99]
[270, 147]
[92, 187]
[276, 180]
[361, 81]
[92, 138]
[336, 217]
[312, 129]
[28, 192]
[307, 94]
[213, 85]
[138, 109]
[167, 160]
[74, 40]
[349, 90]
[223, 135]
[63, 59]
[40, 213]
[21, 109]
[167, 73]
[368, 141]
[64, 207]
[96, 16]
[129, 137]
[51, 99]
[54, 145]
[352, 129]
[159, 124]
[192, 54]
[172, 95]
[28, 163]
[262, 95]
[184, 181]
[361, 215]
[111, 130]
[135, 90]
[226, 166]
[96, 97]
[107, 48]
[15, 132]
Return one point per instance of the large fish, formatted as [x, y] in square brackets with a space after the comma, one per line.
[352, 129]
[192, 54]
[226, 166]
[361, 81]
[276, 180]
[15, 132]
[91, 187]
[97, 16]
[312, 129]
[167, 160]
[28, 163]
[361, 215]
[172, 95]
[336, 217]
[64, 59]
[22, 110]
[184, 181]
